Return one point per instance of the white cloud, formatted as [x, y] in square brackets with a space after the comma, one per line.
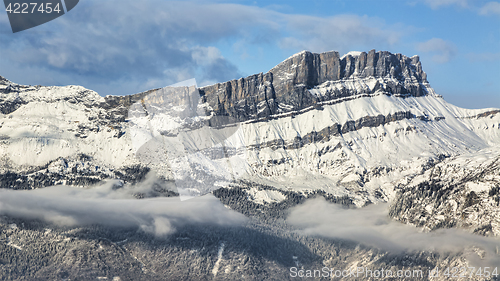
[70, 206]
[141, 45]
[372, 226]
[339, 33]
[442, 51]
[490, 8]
[435, 4]
[206, 55]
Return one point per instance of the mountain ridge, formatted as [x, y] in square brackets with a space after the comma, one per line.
[285, 88]
[355, 141]
[348, 119]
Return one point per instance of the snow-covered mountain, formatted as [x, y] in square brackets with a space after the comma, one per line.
[351, 125]
[463, 192]
[355, 129]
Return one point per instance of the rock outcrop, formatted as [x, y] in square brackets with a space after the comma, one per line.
[285, 88]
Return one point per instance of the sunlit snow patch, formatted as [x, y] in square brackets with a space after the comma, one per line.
[172, 127]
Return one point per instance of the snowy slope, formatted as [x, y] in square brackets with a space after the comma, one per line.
[462, 191]
[53, 122]
[362, 139]
[358, 160]
[359, 140]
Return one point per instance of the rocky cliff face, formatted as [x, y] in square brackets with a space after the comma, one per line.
[359, 129]
[353, 119]
[285, 88]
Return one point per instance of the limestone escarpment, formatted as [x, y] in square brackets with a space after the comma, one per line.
[285, 88]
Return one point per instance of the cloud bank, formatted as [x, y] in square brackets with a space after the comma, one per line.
[70, 206]
[371, 226]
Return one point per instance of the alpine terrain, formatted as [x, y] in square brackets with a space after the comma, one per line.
[324, 162]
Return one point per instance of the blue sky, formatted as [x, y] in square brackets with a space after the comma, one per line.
[124, 47]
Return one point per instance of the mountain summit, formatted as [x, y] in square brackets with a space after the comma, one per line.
[350, 120]
[354, 130]
[287, 87]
